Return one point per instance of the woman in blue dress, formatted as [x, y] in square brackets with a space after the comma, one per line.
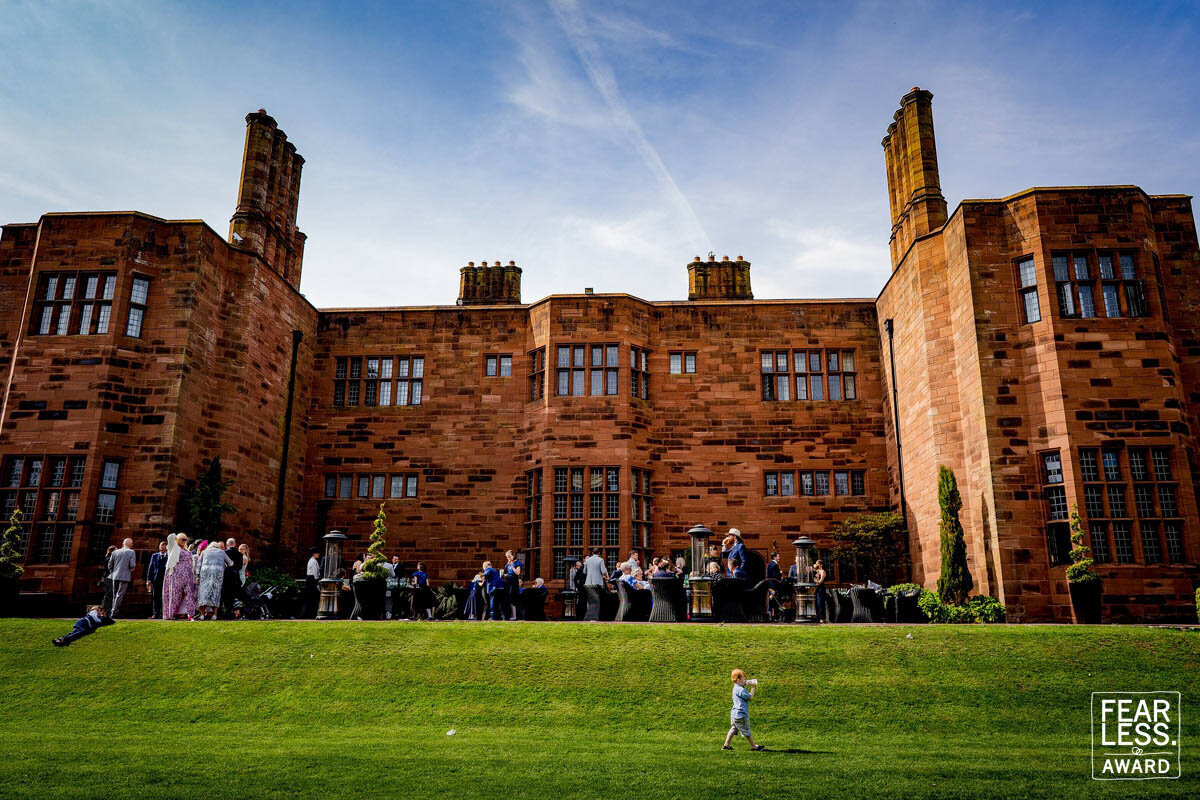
[476, 604]
[512, 582]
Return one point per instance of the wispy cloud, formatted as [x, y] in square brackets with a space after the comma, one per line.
[575, 25]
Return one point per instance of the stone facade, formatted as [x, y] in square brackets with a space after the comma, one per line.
[609, 420]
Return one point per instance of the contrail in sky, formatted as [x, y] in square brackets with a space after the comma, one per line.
[602, 77]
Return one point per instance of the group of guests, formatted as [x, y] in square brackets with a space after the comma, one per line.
[500, 593]
[418, 580]
[185, 580]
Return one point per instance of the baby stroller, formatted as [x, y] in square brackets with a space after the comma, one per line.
[257, 602]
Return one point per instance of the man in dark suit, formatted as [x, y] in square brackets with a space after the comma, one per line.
[231, 584]
[156, 570]
[773, 571]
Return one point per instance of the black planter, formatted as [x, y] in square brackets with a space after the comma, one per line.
[8, 596]
[371, 595]
[1085, 602]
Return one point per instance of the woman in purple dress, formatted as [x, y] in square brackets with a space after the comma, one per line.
[179, 587]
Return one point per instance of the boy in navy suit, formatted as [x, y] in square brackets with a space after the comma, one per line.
[96, 618]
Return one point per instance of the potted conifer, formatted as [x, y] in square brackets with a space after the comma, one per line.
[10, 565]
[1083, 583]
[370, 589]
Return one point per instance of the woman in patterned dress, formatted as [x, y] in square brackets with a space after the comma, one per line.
[213, 562]
[179, 590]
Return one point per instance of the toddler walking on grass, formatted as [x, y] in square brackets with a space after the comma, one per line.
[739, 717]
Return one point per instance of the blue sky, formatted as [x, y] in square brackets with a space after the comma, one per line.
[597, 144]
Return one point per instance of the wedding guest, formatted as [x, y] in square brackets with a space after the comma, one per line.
[664, 570]
[231, 583]
[179, 589]
[476, 602]
[739, 715]
[512, 582]
[733, 551]
[422, 594]
[312, 584]
[819, 579]
[90, 622]
[106, 578]
[156, 570]
[121, 566]
[495, 589]
[774, 571]
[244, 572]
[213, 562]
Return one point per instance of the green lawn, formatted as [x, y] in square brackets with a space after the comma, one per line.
[558, 711]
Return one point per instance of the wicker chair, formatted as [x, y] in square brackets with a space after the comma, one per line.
[865, 604]
[845, 606]
[754, 602]
[907, 610]
[634, 604]
[727, 599]
[533, 601]
[666, 596]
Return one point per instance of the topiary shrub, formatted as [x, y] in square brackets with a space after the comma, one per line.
[986, 609]
[1080, 570]
[373, 567]
[10, 556]
[904, 587]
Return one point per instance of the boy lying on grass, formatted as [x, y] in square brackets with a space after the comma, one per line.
[93, 620]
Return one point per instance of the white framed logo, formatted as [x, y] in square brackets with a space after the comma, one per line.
[1135, 736]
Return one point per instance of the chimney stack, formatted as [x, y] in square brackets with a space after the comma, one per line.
[914, 188]
[495, 285]
[719, 280]
[268, 198]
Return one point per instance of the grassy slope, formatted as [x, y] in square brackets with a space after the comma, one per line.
[285, 709]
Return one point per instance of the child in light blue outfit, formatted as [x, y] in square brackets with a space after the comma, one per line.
[739, 717]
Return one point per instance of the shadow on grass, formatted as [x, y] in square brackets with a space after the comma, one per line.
[796, 751]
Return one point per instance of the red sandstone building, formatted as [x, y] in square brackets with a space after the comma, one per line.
[1042, 345]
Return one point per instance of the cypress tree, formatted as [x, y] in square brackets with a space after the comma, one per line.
[955, 582]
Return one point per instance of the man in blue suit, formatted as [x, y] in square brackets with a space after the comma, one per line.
[494, 582]
[156, 570]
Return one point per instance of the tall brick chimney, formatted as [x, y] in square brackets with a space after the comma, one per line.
[719, 280]
[494, 285]
[269, 193]
[914, 188]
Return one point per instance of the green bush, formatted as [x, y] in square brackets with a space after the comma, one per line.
[986, 609]
[903, 587]
[980, 608]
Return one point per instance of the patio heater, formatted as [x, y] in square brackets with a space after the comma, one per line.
[331, 580]
[806, 590]
[699, 583]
